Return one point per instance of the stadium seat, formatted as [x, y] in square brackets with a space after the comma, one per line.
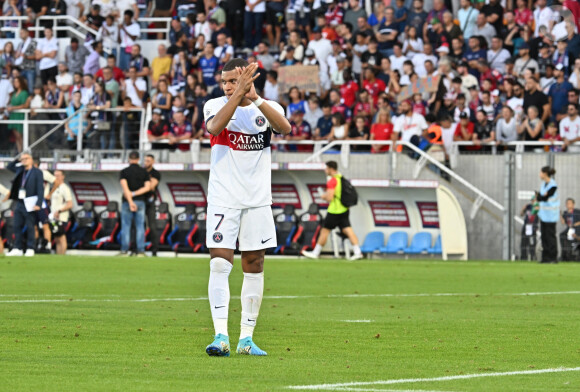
[373, 242]
[163, 225]
[286, 226]
[199, 236]
[309, 226]
[108, 226]
[420, 244]
[436, 249]
[181, 237]
[396, 243]
[7, 226]
[85, 224]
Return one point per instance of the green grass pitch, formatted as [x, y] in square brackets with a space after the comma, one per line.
[128, 324]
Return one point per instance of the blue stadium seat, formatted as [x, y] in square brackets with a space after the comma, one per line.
[396, 243]
[420, 243]
[436, 249]
[373, 242]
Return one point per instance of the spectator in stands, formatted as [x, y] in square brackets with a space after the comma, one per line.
[532, 126]
[76, 86]
[572, 98]
[506, 129]
[321, 47]
[25, 57]
[78, 121]
[467, 16]
[208, 65]
[373, 85]
[360, 131]
[339, 107]
[188, 95]
[274, 22]
[484, 29]
[570, 218]
[101, 119]
[135, 183]
[179, 71]
[525, 62]
[464, 129]
[371, 57]
[382, 129]
[294, 42]
[340, 127]
[54, 99]
[36, 9]
[94, 20]
[324, 124]
[134, 87]
[417, 16]
[118, 75]
[130, 126]
[552, 135]
[93, 61]
[160, 64]
[534, 97]
[7, 57]
[352, 15]
[201, 98]
[162, 100]
[300, 130]
[64, 79]
[254, 14]
[548, 213]
[61, 203]
[408, 124]
[128, 33]
[109, 35]
[387, 33]
[157, 129]
[88, 89]
[217, 13]
[497, 55]
[223, 51]
[75, 55]
[484, 131]
[420, 59]
[412, 45]
[46, 52]
[180, 131]
[570, 128]
[295, 102]
[271, 86]
[140, 62]
[20, 99]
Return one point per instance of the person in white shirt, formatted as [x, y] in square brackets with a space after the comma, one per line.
[134, 87]
[516, 102]
[321, 47]
[239, 198]
[497, 55]
[223, 51]
[60, 204]
[398, 58]
[77, 8]
[574, 78]
[129, 31]
[409, 124]
[6, 88]
[64, 79]
[544, 16]
[124, 5]
[88, 89]
[271, 86]
[46, 52]
[109, 34]
[570, 128]
[419, 59]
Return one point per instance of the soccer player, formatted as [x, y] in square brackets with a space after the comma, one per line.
[239, 198]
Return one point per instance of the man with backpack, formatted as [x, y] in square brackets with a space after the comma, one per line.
[341, 195]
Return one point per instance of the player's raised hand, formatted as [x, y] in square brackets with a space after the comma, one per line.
[246, 79]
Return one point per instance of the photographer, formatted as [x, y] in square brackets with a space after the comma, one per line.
[60, 204]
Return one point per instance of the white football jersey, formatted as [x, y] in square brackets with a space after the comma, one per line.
[241, 160]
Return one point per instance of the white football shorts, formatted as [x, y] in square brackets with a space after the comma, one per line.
[253, 227]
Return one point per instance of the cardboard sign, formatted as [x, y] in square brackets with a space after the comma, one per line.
[390, 213]
[313, 189]
[283, 194]
[90, 191]
[305, 77]
[430, 84]
[429, 214]
[184, 194]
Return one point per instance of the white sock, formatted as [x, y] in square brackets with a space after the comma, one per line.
[219, 293]
[356, 249]
[252, 292]
[317, 249]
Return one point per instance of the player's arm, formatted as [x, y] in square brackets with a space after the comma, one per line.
[216, 124]
[274, 117]
[328, 195]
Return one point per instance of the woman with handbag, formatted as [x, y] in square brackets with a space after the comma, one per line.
[100, 119]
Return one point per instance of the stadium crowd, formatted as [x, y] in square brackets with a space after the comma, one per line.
[508, 70]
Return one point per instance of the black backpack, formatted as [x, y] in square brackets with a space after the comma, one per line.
[348, 196]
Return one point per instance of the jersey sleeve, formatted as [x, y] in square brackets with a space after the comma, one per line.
[331, 184]
[278, 108]
[210, 109]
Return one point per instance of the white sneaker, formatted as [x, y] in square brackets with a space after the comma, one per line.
[29, 253]
[310, 255]
[356, 256]
[15, 252]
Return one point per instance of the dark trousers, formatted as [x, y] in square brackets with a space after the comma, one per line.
[23, 218]
[253, 25]
[549, 243]
[150, 212]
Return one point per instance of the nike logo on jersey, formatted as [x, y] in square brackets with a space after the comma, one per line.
[217, 307]
[264, 241]
[251, 321]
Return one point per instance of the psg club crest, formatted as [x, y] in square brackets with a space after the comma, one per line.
[260, 121]
[217, 237]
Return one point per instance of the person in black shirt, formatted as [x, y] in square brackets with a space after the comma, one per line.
[493, 14]
[484, 131]
[158, 129]
[155, 178]
[372, 57]
[136, 184]
[534, 97]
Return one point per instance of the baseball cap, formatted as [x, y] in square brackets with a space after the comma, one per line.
[443, 48]
[463, 64]
[559, 67]
[157, 111]
[542, 45]
[435, 21]
[309, 52]
[463, 115]
[495, 93]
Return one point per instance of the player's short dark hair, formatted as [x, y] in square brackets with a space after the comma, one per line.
[134, 155]
[129, 12]
[234, 63]
[150, 156]
[332, 165]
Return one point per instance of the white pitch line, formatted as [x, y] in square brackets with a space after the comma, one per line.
[343, 386]
[330, 296]
[356, 321]
[384, 390]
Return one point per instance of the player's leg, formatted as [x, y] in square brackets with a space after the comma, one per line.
[349, 232]
[222, 232]
[257, 233]
[330, 222]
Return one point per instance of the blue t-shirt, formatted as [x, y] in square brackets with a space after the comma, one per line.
[399, 13]
[559, 94]
[292, 107]
[325, 125]
[208, 68]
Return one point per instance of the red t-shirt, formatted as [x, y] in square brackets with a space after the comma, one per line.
[348, 93]
[331, 184]
[470, 128]
[374, 88]
[382, 132]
